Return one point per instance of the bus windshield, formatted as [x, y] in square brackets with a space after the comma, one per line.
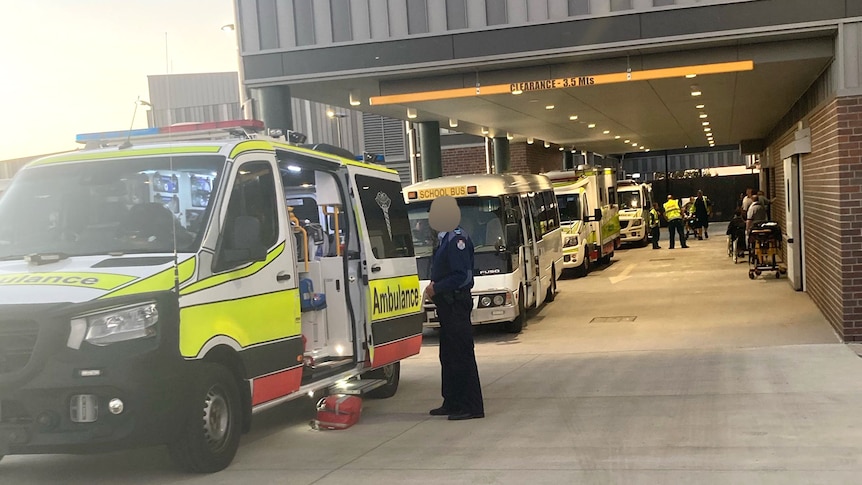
[481, 218]
[114, 206]
[570, 208]
[630, 199]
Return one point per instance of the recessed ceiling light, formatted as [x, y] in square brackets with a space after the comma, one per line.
[646, 150]
[591, 125]
[707, 129]
[617, 137]
[550, 106]
[510, 136]
[703, 115]
[411, 113]
[573, 117]
[641, 147]
[700, 106]
[547, 144]
[705, 123]
[517, 92]
[484, 130]
[690, 76]
[562, 149]
[626, 141]
[695, 91]
[634, 144]
[607, 132]
[530, 140]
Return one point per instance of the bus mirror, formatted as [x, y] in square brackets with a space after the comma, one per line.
[597, 214]
[512, 236]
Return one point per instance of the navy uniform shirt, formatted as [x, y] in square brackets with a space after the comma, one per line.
[452, 263]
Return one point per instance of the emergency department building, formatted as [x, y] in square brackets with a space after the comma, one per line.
[541, 80]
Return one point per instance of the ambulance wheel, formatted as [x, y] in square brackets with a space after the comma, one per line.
[552, 290]
[214, 423]
[517, 325]
[391, 373]
[584, 268]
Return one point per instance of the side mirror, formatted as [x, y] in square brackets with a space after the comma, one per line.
[597, 214]
[512, 236]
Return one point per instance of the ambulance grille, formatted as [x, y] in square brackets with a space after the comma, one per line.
[17, 341]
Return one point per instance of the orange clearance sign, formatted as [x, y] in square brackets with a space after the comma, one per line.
[457, 191]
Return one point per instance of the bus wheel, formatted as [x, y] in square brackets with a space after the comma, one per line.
[391, 374]
[211, 436]
[552, 290]
[516, 325]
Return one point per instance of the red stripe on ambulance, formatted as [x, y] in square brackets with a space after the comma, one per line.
[276, 385]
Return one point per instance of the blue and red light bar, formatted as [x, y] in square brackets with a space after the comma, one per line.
[247, 125]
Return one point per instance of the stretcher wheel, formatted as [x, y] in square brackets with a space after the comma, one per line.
[757, 272]
[777, 274]
[751, 275]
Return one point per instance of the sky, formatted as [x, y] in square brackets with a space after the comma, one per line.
[77, 66]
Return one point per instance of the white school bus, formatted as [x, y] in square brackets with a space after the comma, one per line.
[514, 224]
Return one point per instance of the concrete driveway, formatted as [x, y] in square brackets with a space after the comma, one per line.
[663, 367]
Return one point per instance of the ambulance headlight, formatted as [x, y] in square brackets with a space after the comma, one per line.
[570, 242]
[637, 222]
[115, 325]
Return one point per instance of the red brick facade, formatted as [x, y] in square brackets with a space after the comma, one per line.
[523, 158]
[831, 205]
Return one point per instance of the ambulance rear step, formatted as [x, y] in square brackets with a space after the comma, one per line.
[357, 387]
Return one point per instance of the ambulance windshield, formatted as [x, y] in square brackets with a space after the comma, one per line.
[570, 208]
[481, 218]
[112, 206]
[630, 199]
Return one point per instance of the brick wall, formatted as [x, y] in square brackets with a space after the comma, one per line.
[849, 146]
[831, 211]
[523, 158]
[463, 160]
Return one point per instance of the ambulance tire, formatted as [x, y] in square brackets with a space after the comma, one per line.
[584, 268]
[211, 438]
[517, 325]
[392, 374]
[552, 289]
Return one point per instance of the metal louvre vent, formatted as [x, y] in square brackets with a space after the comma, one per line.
[17, 341]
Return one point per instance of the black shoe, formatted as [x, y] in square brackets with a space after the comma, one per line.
[706, 236]
[441, 411]
[462, 416]
[685, 247]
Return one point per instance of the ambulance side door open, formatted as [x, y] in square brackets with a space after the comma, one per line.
[394, 303]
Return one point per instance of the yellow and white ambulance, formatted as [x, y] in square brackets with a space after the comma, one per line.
[514, 224]
[635, 201]
[163, 291]
[590, 217]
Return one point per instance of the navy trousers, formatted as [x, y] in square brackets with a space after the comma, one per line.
[462, 392]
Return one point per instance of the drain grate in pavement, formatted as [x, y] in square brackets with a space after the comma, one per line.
[612, 319]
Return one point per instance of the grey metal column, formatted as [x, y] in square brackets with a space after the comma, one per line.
[274, 107]
[502, 159]
[430, 154]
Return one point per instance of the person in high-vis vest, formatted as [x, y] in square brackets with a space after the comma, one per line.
[673, 214]
[654, 223]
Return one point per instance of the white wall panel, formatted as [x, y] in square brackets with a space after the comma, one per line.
[250, 41]
[558, 9]
[517, 11]
[398, 18]
[322, 22]
[600, 6]
[476, 14]
[286, 24]
[379, 14]
[360, 21]
[537, 10]
[437, 16]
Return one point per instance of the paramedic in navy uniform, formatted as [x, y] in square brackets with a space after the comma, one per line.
[451, 281]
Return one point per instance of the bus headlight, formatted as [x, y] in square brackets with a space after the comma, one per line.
[115, 325]
[570, 241]
[488, 301]
[637, 222]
